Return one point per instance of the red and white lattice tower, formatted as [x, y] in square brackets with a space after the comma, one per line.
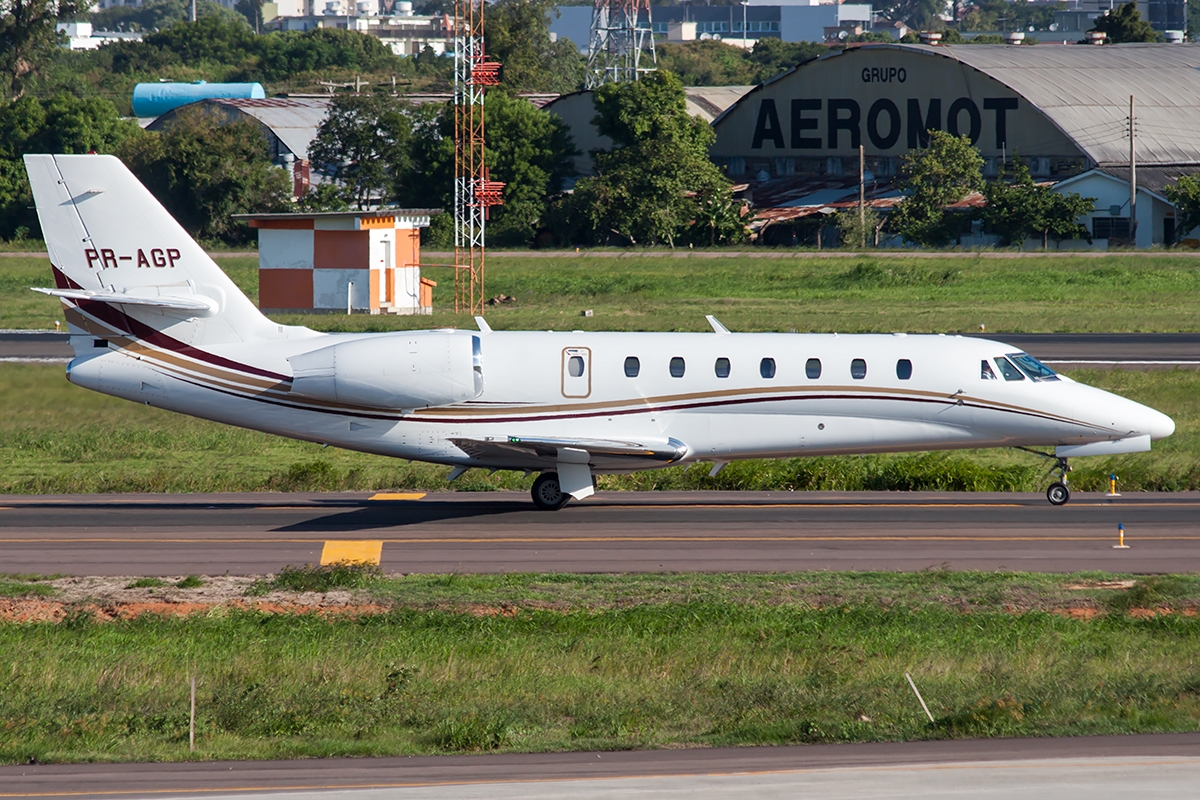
[622, 42]
[474, 193]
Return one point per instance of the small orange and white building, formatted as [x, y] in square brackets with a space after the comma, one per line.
[368, 261]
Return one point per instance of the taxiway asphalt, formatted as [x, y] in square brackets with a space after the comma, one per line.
[245, 534]
[1091, 768]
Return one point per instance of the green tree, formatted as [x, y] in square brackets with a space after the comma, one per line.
[530, 151]
[204, 169]
[707, 62]
[27, 36]
[1184, 194]
[62, 124]
[657, 184]
[363, 144]
[1005, 15]
[526, 149]
[518, 36]
[923, 14]
[933, 178]
[150, 16]
[1125, 24]
[252, 11]
[1019, 208]
[857, 231]
[771, 56]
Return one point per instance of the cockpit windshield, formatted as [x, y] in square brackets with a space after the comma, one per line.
[1006, 368]
[1035, 369]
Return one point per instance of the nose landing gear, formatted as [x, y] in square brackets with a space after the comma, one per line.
[1058, 493]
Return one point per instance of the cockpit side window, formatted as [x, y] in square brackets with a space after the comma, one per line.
[1035, 369]
[985, 371]
[1009, 372]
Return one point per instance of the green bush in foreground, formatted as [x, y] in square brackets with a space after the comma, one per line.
[657, 674]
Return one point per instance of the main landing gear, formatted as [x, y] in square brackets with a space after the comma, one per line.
[1058, 493]
[547, 492]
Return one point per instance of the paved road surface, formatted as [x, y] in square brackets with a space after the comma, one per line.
[1088, 768]
[1133, 350]
[611, 532]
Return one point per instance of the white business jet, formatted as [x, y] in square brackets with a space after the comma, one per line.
[153, 319]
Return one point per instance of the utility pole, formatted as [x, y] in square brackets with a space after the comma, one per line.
[1132, 176]
[862, 195]
[193, 10]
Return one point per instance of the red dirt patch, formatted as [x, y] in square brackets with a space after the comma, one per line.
[31, 610]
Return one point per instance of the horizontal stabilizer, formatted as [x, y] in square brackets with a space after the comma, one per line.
[194, 305]
[523, 452]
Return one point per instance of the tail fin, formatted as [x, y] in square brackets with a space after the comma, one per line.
[120, 260]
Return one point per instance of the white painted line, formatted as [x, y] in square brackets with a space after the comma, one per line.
[32, 360]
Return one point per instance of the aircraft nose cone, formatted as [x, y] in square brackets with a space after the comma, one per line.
[1156, 423]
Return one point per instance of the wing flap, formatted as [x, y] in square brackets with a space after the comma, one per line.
[521, 452]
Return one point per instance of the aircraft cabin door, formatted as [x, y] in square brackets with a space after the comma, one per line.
[576, 371]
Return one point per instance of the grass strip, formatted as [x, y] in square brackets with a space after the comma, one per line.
[647, 661]
[801, 292]
[58, 438]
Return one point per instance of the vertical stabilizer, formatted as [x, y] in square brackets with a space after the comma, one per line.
[108, 236]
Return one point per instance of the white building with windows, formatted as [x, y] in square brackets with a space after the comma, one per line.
[800, 21]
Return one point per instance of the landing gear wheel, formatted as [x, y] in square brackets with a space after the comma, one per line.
[1058, 494]
[547, 494]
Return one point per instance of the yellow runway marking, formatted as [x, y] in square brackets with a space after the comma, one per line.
[591, 539]
[365, 552]
[397, 496]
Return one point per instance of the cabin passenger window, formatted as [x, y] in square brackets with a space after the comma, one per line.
[904, 369]
[632, 367]
[722, 367]
[575, 366]
[1009, 372]
[858, 369]
[766, 368]
[985, 371]
[812, 368]
[677, 367]
[1033, 368]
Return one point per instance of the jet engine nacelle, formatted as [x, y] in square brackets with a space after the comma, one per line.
[400, 370]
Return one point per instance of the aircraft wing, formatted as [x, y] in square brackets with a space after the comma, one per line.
[523, 452]
[196, 305]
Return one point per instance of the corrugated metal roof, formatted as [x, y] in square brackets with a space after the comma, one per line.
[707, 102]
[293, 119]
[1085, 90]
[1152, 179]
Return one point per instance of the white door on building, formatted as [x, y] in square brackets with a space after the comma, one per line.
[387, 276]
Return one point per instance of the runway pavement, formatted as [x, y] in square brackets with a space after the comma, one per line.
[1127, 350]
[612, 532]
[1091, 768]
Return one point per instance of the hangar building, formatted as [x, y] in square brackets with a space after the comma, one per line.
[1062, 110]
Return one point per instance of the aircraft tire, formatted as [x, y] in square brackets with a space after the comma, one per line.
[1058, 494]
[547, 495]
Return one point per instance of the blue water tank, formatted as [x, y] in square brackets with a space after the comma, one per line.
[156, 99]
